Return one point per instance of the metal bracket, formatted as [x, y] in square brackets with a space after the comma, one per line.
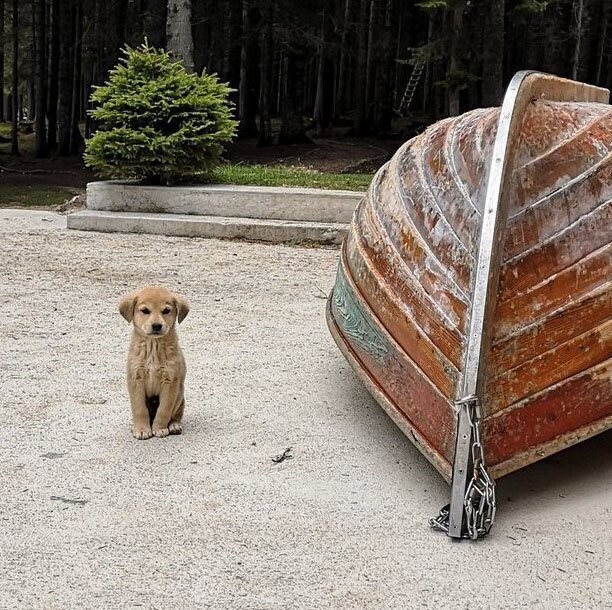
[473, 505]
[461, 466]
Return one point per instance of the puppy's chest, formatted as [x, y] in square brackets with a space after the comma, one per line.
[155, 367]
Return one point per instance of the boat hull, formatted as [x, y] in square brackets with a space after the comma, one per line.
[402, 309]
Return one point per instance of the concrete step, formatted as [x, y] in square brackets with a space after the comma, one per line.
[278, 203]
[221, 227]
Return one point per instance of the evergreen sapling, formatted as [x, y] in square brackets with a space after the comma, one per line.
[157, 122]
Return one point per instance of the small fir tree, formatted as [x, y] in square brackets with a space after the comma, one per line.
[157, 122]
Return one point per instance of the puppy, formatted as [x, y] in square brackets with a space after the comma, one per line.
[155, 365]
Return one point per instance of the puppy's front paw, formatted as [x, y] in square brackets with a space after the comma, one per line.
[161, 432]
[141, 433]
[175, 427]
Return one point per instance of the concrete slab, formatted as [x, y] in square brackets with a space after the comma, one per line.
[276, 231]
[297, 204]
[91, 518]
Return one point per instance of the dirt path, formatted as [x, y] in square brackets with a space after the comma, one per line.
[90, 517]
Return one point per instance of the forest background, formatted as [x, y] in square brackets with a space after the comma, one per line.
[377, 70]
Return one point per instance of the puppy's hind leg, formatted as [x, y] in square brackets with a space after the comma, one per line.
[175, 426]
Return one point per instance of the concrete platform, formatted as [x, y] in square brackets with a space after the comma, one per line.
[278, 215]
[298, 204]
[220, 227]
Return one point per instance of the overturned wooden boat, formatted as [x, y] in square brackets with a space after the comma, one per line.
[473, 295]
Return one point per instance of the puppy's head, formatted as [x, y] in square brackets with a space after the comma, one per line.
[154, 310]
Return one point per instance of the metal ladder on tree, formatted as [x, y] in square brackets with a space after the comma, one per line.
[411, 86]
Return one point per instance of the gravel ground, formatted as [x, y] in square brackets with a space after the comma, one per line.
[90, 518]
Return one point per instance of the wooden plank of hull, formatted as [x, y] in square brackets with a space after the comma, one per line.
[404, 328]
[546, 217]
[565, 118]
[544, 420]
[439, 313]
[559, 443]
[546, 334]
[468, 151]
[408, 393]
[557, 252]
[568, 286]
[384, 224]
[550, 169]
[444, 216]
[560, 362]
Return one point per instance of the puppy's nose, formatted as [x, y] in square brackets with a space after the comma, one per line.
[156, 327]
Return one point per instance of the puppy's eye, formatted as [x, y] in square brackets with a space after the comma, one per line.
[145, 311]
[166, 310]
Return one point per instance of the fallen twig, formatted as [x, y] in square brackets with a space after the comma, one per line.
[285, 455]
[323, 295]
[69, 501]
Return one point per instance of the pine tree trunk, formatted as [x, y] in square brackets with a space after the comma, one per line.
[179, 39]
[493, 53]
[398, 67]
[265, 69]
[292, 127]
[31, 112]
[605, 40]
[76, 139]
[579, 34]
[154, 23]
[134, 26]
[557, 54]
[369, 73]
[40, 127]
[427, 85]
[342, 96]
[226, 40]
[249, 88]
[214, 32]
[15, 84]
[322, 105]
[114, 35]
[53, 74]
[233, 68]
[2, 97]
[361, 119]
[382, 52]
[279, 82]
[66, 65]
[455, 59]
[532, 50]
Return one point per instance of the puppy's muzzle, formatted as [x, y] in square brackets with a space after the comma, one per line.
[156, 329]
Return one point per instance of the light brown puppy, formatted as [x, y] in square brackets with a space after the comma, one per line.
[155, 365]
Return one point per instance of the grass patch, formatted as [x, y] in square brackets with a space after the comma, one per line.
[37, 195]
[278, 175]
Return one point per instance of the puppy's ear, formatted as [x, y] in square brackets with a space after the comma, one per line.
[126, 306]
[182, 307]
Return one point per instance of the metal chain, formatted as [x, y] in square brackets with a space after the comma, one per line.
[479, 502]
